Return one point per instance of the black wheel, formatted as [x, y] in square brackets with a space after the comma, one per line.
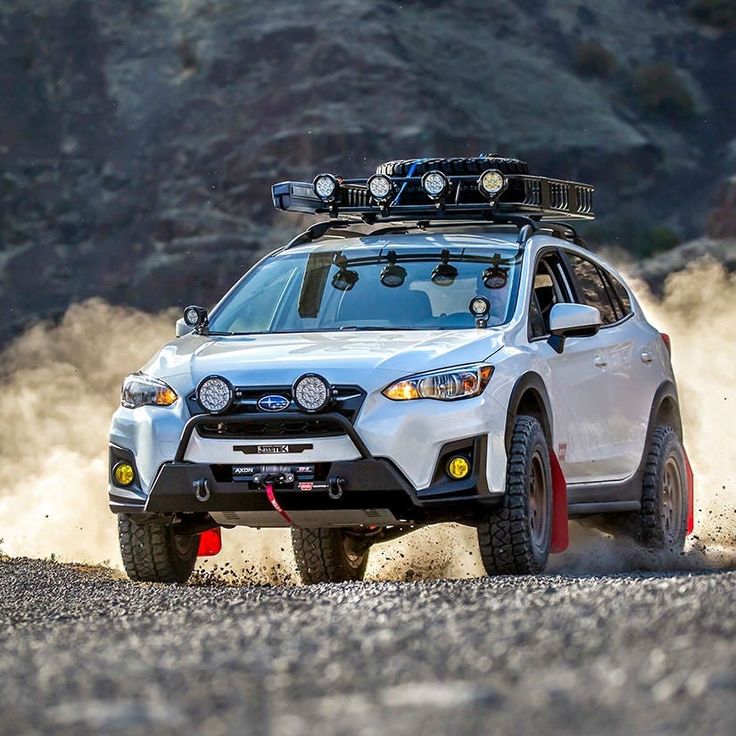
[412, 193]
[662, 522]
[152, 553]
[329, 555]
[515, 538]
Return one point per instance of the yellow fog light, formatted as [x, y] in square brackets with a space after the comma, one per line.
[124, 474]
[458, 467]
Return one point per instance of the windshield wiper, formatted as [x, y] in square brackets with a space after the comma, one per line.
[363, 328]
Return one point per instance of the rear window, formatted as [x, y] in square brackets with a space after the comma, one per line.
[623, 296]
[594, 290]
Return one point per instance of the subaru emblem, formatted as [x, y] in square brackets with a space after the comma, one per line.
[273, 402]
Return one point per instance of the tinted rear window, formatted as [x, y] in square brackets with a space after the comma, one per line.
[623, 295]
[595, 292]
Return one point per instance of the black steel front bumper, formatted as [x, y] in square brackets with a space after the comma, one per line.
[367, 482]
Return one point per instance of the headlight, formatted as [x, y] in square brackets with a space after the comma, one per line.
[446, 385]
[142, 390]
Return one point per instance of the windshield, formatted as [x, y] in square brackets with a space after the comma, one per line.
[371, 288]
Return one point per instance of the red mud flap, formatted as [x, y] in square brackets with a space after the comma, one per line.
[210, 543]
[560, 532]
[690, 494]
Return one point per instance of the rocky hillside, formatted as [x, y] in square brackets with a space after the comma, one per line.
[138, 140]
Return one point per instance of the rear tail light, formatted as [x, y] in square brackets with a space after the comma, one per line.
[666, 340]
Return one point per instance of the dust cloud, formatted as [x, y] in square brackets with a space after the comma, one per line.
[61, 383]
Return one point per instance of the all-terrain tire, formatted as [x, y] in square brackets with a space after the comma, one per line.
[411, 193]
[453, 166]
[328, 555]
[515, 538]
[662, 522]
[152, 553]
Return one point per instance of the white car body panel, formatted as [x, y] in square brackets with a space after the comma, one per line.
[600, 390]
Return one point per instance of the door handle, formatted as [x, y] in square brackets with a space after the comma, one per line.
[646, 357]
[599, 361]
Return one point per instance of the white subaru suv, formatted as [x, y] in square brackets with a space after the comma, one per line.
[442, 347]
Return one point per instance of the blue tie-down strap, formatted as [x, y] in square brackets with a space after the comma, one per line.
[416, 163]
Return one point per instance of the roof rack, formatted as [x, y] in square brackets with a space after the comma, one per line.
[537, 198]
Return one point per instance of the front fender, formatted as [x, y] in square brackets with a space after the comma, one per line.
[151, 433]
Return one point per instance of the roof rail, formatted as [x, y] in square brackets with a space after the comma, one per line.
[355, 228]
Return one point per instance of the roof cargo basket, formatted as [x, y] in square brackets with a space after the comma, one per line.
[438, 196]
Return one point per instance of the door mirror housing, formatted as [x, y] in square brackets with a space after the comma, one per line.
[182, 328]
[572, 320]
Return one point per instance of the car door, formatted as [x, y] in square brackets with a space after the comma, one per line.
[576, 379]
[634, 376]
[620, 343]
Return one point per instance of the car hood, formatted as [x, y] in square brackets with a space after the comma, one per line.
[368, 359]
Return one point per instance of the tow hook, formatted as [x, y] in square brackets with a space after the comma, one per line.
[201, 490]
[336, 486]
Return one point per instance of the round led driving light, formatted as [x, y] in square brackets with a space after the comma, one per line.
[435, 184]
[311, 392]
[393, 275]
[124, 474]
[191, 316]
[325, 187]
[496, 277]
[215, 394]
[491, 183]
[480, 306]
[380, 187]
[195, 316]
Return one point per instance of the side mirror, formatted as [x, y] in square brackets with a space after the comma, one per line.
[572, 320]
[182, 328]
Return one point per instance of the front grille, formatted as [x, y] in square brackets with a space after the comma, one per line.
[346, 400]
[312, 427]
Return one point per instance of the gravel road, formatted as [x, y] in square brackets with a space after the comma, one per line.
[84, 651]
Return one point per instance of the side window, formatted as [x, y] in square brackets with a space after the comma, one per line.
[595, 292]
[623, 296]
[549, 288]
